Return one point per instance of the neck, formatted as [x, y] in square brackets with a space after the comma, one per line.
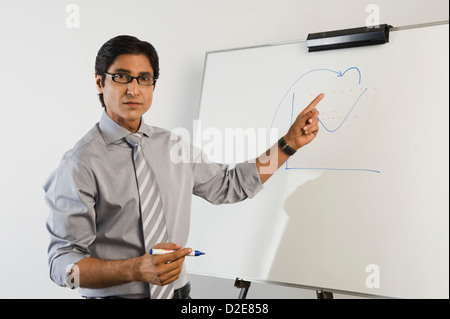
[130, 125]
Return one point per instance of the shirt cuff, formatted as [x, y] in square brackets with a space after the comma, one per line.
[72, 276]
[61, 267]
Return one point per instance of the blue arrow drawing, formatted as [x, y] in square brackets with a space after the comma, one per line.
[339, 74]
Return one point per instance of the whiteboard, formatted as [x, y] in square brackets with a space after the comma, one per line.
[362, 209]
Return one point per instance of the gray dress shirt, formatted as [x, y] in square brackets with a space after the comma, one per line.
[94, 203]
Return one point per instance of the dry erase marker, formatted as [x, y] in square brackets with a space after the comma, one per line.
[167, 251]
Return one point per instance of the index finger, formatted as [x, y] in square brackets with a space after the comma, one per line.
[313, 104]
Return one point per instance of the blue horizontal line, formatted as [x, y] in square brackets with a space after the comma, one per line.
[336, 169]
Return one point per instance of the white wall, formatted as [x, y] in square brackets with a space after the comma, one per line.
[49, 98]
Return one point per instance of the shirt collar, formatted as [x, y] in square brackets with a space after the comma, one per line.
[113, 132]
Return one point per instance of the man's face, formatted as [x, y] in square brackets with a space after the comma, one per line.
[126, 103]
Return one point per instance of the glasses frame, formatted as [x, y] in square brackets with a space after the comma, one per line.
[113, 75]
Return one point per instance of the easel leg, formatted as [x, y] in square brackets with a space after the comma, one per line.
[244, 286]
[324, 294]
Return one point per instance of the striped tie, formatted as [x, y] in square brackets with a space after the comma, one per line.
[153, 223]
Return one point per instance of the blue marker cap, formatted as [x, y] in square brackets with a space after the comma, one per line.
[198, 253]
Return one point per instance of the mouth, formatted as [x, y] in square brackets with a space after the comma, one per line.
[133, 103]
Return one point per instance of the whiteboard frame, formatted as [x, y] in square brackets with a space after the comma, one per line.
[393, 29]
[278, 283]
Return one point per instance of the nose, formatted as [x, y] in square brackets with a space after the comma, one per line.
[133, 87]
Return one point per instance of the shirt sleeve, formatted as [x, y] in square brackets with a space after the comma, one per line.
[221, 184]
[70, 195]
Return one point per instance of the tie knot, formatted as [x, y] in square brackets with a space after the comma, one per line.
[134, 139]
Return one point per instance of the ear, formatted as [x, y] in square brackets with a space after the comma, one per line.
[98, 82]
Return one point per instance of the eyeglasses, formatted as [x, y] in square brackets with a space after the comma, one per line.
[123, 78]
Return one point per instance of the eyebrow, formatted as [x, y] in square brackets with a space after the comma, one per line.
[129, 72]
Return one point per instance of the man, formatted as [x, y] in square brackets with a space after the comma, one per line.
[100, 238]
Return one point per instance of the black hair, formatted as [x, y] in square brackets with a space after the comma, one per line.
[123, 44]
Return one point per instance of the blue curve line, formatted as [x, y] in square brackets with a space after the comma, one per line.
[331, 131]
[292, 108]
[339, 74]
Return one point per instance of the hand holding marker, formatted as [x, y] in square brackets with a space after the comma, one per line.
[167, 251]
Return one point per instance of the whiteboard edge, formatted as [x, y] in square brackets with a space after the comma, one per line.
[405, 27]
[202, 86]
[298, 286]
[422, 25]
[393, 29]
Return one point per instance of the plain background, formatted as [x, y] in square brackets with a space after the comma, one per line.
[49, 99]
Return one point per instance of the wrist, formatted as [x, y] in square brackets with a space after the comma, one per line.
[291, 142]
[134, 268]
[286, 147]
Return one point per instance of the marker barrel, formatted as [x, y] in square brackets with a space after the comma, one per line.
[168, 251]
